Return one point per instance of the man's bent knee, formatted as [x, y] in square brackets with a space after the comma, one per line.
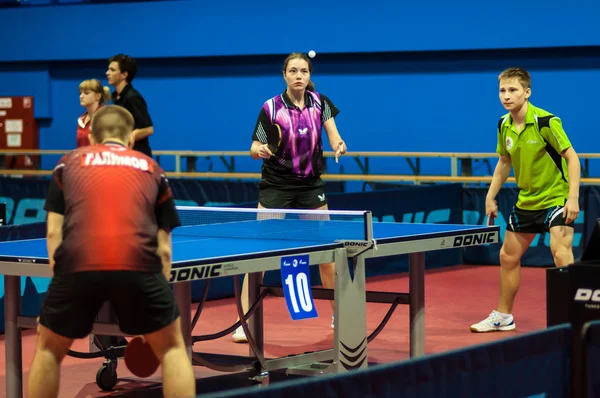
[561, 245]
[52, 343]
[563, 256]
[515, 244]
[508, 260]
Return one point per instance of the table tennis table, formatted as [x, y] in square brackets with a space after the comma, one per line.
[221, 242]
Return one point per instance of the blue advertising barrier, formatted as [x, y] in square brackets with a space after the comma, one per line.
[24, 199]
[527, 366]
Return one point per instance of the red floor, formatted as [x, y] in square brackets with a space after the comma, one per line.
[455, 298]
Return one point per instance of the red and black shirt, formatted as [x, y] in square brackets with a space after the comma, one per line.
[114, 200]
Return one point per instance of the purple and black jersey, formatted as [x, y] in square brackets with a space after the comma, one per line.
[300, 154]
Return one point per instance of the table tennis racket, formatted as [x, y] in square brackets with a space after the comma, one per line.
[491, 219]
[273, 138]
[139, 357]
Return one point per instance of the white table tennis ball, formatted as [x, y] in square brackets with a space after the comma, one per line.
[312, 53]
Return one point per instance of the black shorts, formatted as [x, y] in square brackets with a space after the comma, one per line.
[143, 302]
[536, 221]
[310, 196]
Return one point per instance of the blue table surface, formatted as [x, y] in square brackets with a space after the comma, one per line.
[253, 237]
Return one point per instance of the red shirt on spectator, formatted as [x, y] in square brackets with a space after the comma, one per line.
[83, 130]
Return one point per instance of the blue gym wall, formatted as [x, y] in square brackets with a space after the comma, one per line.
[407, 76]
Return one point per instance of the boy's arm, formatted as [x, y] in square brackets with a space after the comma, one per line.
[501, 173]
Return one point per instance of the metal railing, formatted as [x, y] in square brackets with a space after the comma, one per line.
[460, 165]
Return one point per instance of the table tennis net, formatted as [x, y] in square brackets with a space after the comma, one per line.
[302, 225]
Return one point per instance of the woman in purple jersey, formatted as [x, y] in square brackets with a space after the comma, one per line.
[291, 177]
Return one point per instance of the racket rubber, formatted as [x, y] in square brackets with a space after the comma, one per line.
[274, 138]
[139, 358]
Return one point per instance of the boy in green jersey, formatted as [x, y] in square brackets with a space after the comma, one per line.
[546, 168]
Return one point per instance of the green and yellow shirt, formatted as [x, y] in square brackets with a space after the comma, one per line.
[540, 170]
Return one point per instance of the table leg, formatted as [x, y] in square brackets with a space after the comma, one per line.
[350, 335]
[14, 359]
[417, 304]
[256, 325]
[183, 296]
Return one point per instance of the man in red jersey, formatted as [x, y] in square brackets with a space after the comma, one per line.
[110, 215]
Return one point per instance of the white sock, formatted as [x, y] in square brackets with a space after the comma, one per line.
[504, 316]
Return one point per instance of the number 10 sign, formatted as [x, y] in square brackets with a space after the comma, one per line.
[295, 278]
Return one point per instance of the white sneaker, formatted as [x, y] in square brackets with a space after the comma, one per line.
[494, 323]
[239, 336]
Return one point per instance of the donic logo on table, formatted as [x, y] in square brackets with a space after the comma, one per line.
[475, 239]
[195, 273]
[356, 247]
